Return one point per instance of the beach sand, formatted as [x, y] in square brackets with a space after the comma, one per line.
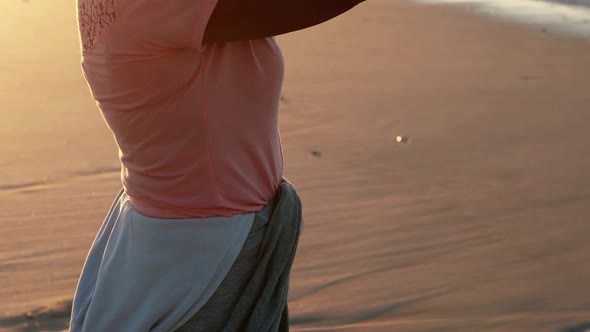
[479, 222]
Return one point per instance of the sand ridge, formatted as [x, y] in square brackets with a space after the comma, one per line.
[477, 223]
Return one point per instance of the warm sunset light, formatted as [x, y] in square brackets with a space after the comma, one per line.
[303, 165]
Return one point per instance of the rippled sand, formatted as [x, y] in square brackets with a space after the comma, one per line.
[477, 222]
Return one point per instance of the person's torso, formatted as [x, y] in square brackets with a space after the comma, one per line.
[197, 128]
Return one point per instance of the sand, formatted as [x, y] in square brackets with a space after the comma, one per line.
[479, 222]
[557, 16]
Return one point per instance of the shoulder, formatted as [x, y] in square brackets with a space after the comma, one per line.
[156, 25]
[94, 17]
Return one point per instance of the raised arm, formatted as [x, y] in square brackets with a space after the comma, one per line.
[234, 20]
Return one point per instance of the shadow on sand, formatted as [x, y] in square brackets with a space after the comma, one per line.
[584, 327]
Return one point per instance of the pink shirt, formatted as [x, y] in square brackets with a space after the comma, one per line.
[196, 125]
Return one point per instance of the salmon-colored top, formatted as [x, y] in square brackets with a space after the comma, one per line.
[196, 125]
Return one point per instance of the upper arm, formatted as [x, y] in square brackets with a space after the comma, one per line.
[251, 19]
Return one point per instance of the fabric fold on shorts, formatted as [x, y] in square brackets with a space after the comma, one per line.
[253, 297]
[147, 274]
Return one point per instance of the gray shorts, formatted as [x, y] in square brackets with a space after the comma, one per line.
[216, 312]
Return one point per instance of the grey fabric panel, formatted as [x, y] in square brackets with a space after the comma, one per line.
[253, 296]
[215, 313]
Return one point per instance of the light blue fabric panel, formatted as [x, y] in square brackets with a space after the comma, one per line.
[149, 274]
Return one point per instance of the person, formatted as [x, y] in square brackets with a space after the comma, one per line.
[203, 233]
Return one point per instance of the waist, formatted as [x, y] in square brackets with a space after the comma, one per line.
[170, 200]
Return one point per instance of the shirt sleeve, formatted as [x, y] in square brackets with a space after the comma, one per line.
[166, 24]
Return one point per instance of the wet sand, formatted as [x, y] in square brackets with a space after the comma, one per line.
[567, 17]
